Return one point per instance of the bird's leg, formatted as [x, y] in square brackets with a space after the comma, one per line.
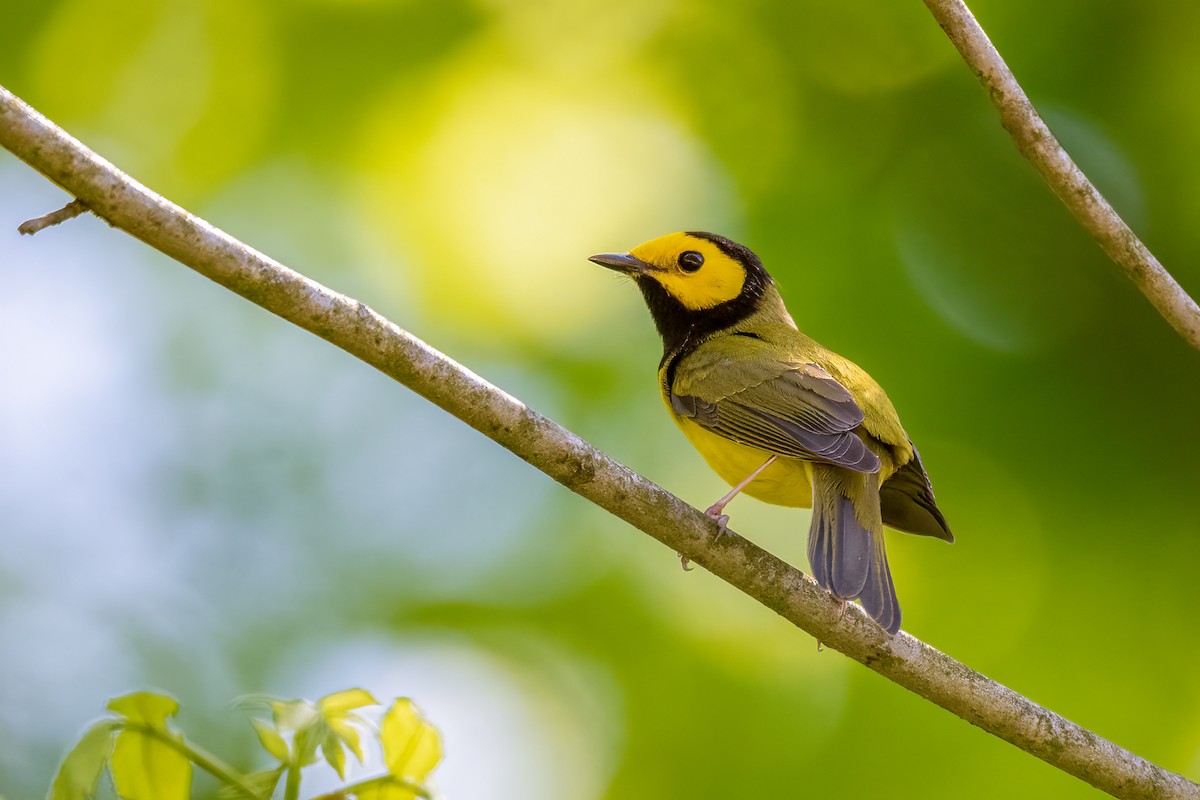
[716, 508]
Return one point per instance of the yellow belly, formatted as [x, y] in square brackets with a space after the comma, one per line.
[784, 483]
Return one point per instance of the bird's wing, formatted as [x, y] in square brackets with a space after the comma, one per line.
[796, 410]
[907, 503]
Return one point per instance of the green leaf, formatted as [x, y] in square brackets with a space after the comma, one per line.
[81, 767]
[294, 715]
[336, 710]
[412, 747]
[331, 746]
[253, 702]
[385, 791]
[146, 768]
[270, 739]
[145, 707]
[307, 742]
[338, 703]
[345, 730]
[261, 783]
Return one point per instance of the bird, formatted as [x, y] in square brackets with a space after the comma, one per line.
[778, 416]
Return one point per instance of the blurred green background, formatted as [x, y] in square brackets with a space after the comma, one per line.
[198, 497]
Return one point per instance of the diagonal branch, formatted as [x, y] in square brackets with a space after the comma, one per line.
[1035, 141]
[352, 326]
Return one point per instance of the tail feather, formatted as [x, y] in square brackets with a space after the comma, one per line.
[878, 596]
[853, 547]
[848, 557]
[820, 549]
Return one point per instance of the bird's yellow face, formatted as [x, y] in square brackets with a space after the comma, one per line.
[693, 270]
[695, 283]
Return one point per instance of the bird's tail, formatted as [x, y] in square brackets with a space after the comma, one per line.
[845, 543]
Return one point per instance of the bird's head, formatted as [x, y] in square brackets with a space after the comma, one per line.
[695, 282]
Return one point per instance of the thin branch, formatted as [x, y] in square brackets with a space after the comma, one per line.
[70, 211]
[1035, 141]
[352, 326]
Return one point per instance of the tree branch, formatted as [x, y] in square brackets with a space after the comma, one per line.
[355, 328]
[1035, 141]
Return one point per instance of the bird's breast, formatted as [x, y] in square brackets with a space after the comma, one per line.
[784, 483]
[787, 482]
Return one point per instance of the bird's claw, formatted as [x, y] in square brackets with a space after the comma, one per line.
[721, 519]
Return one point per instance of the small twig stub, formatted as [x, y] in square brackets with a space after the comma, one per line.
[69, 211]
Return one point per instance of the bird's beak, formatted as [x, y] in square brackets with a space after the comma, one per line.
[623, 262]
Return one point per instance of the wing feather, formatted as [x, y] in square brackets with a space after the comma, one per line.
[796, 410]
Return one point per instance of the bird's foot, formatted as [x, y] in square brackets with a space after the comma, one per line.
[842, 613]
[714, 511]
[722, 521]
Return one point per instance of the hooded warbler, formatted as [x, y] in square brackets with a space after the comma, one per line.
[780, 417]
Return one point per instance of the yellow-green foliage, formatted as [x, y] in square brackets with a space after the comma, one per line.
[148, 760]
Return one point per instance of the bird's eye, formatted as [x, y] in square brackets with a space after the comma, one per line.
[691, 261]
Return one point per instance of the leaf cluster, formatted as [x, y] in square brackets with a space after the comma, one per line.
[147, 759]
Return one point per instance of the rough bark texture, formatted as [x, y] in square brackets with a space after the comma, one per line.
[352, 326]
